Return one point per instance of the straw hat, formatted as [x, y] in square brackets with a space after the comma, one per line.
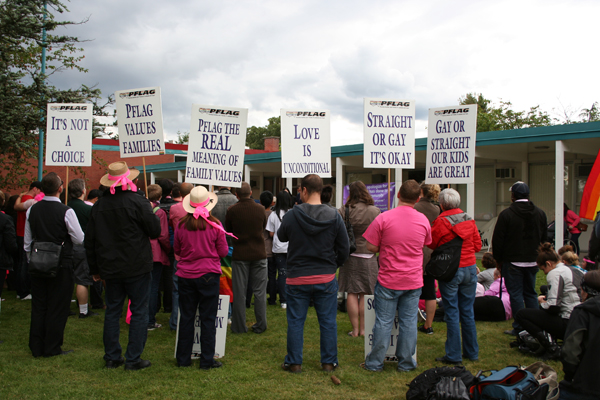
[199, 195]
[117, 169]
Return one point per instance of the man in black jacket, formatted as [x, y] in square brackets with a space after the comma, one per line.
[518, 233]
[118, 250]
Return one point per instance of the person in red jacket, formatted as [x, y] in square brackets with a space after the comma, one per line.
[458, 295]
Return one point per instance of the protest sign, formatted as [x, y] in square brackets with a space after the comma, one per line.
[139, 115]
[305, 143]
[451, 137]
[389, 133]
[379, 193]
[69, 135]
[216, 146]
[390, 354]
[221, 324]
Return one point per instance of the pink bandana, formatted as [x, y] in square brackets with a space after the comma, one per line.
[39, 197]
[121, 180]
[201, 211]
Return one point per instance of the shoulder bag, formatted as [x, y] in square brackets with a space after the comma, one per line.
[350, 231]
[45, 259]
[445, 260]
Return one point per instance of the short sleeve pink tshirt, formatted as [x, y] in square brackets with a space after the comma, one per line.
[400, 235]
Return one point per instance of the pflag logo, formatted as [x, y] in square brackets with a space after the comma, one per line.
[452, 111]
[390, 104]
[306, 114]
[137, 93]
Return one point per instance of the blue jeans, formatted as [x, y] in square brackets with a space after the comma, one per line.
[458, 297]
[387, 301]
[202, 295]
[175, 309]
[298, 297]
[153, 302]
[137, 289]
[520, 284]
[280, 260]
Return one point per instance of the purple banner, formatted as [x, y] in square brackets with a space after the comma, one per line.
[379, 192]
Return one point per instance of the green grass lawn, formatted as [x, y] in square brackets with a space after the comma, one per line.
[251, 366]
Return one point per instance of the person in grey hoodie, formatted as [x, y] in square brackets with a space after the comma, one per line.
[318, 245]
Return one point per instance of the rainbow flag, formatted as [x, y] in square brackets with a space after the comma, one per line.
[590, 202]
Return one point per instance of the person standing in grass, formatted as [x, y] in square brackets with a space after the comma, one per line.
[399, 236]
[283, 204]
[51, 221]
[247, 221]
[118, 250]
[199, 243]
[458, 294]
[520, 229]
[318, 245]
[358, 275]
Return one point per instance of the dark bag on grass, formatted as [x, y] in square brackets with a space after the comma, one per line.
[510, 383]
[445, 260]
[424, 385]
[450, 388]
[45, 259]
[350, 231]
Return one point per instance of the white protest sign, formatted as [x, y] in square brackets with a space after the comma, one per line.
[451, 134]
[69, 135]
[390, 355]
[216, 146]
[221, 335]
[305, 143]
[139, 115]
[389, 133]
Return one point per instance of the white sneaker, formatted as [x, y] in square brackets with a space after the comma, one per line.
[284, 305]
[28, 297]
[421, 315]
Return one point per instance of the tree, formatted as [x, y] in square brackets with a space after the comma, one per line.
[503, 117]
[24, 92]
[183, 137]
[590, 114]
[257, 134]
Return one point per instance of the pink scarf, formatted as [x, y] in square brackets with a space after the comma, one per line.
[121, 180]
[201, 211]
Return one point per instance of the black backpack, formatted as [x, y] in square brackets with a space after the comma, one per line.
[424, 385]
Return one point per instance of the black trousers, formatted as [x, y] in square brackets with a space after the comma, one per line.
[489, 308]
[50, 303]
[200, 294]
[536, 321]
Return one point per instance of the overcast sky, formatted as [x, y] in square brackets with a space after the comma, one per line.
[268, 55]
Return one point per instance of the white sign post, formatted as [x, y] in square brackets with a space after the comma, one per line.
[305, 143]
[139, 114]
[216, 146]
[221, 335]
[390, 355]
[389, 133]
[69, 135]
[451, 137]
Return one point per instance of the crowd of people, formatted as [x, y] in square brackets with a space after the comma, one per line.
[193, 245]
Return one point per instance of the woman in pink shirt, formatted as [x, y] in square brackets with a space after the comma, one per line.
[200, 243]
[572, 220]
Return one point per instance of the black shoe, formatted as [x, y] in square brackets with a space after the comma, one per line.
[62, 353]
[72, 313]
[89, 314]
[215, 364]
[446, 361]
[110, 364]
[138, 365]
[428, 331]
[511, 332]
